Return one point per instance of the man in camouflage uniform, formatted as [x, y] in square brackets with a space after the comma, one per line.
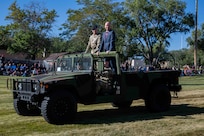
[94, 41]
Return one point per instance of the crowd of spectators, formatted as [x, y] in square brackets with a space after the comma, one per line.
[20, 68]
[29, 68]
[190, 70]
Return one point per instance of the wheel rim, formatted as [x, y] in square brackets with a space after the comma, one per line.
[61, 107]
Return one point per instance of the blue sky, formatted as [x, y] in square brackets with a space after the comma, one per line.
[177, 41]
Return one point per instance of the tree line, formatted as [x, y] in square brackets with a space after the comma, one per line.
[142, 27]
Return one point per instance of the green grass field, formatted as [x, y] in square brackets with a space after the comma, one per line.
[185, 118]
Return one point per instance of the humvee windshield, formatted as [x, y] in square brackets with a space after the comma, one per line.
[82, 63]
[74, 63]
[65, 64]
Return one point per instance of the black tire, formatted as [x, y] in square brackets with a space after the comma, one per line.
[122, 104]
[59, 108]
[159, 99]
[25, 109]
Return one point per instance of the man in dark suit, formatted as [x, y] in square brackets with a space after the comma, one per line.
[108, 39]
[108, 44]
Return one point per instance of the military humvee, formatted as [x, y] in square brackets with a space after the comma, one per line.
[84, 78]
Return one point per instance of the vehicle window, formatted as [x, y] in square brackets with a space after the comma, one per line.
[65, 64]
[82, 63]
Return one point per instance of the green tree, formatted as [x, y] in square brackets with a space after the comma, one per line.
[5, 39]
[58, 45]
[94, 12]
[30, 28]
[200, 39]
[200, 44]
[28, 42]
[154, 22]
[183, 57]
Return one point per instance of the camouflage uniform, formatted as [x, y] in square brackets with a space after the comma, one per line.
[94, 42]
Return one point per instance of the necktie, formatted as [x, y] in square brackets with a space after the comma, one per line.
[106, 35]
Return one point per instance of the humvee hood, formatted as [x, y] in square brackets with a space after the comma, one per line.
[56, 77]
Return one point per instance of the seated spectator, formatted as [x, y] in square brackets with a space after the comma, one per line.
[35, 71]
[13, 67]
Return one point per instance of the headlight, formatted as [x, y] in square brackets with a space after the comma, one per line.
[36, 87]
[19, 86]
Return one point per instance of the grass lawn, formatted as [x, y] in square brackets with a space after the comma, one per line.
[185, 118]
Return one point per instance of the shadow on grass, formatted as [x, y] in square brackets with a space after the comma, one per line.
[133, 114]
